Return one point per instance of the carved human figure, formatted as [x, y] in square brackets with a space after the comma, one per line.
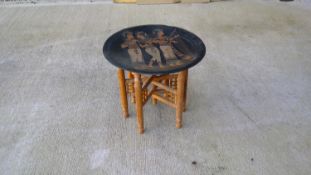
[148, 44]
[132, 47]
[165, 44]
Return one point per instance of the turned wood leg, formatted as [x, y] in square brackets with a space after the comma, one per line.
[132, 93]
[185, 93]
[139, 102]
[180, 97]
[123, 96]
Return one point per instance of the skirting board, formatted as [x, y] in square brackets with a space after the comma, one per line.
[157, 1]
[124, 1]
[160, 1]
[195, 1]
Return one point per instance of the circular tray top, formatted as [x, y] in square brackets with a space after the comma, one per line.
[154, 49]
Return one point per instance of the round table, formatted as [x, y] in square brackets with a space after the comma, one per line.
[156, 55]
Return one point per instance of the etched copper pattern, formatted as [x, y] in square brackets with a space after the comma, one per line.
[154, 49]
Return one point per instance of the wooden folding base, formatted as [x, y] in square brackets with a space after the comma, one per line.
[170, 89]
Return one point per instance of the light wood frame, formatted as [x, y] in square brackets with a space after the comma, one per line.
[170, 89]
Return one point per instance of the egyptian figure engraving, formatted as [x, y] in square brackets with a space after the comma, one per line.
[165, 44]
[171, 48]
[148, 44]
[133, 49]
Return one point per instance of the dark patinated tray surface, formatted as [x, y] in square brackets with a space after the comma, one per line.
[154, 49]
